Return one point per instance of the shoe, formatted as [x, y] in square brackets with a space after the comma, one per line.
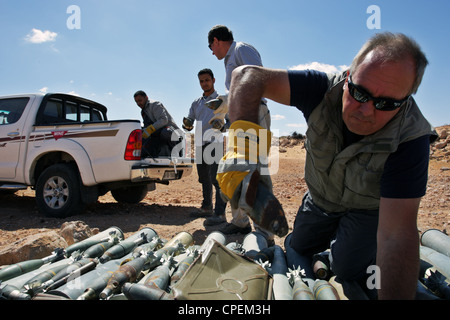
[232, 228]
[203, 212]
[214, 220]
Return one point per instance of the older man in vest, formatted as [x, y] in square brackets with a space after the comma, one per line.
[367, 159]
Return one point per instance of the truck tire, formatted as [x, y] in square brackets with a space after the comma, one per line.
[58, 191]
[130, 194]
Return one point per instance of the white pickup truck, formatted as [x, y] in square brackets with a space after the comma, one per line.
[64, 148]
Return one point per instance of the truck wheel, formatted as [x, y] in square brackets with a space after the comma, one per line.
[58, 191]
[130, 194]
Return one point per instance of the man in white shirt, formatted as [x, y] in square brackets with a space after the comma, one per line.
[208, 144]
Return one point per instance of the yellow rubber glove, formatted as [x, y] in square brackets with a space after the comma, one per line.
[242, 181]
[147, 132]
[242, 154]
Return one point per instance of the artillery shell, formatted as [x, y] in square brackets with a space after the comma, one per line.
[12, 293]
[282, 290]
[136, 291]
[323, 290]
[436, 240]
[20, 268]
[267, 211]
[86, 243]
[126, 246]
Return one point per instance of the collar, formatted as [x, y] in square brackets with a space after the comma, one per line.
[231, 48]
[211, 96]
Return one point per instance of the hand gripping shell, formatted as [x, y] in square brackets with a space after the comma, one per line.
[220, 108]
[244, 179]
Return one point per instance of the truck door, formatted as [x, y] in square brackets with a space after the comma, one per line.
[11, 134]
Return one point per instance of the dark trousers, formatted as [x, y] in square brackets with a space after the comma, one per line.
[160, 143]
[350, 235]
[207, 177]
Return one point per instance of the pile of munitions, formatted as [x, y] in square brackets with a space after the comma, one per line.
[143, 266]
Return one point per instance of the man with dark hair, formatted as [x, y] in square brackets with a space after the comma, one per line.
[235, 54]
[220, 32]
[367, 159]
[208, 141]
[223, 46]
[159, 127]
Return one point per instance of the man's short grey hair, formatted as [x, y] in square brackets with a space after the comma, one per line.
[394, 47]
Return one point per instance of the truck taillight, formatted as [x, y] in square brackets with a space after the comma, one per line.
[134, 146]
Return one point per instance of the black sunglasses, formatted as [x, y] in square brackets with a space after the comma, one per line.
[383, 104]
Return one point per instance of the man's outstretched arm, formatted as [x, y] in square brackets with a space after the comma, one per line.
[250, 84]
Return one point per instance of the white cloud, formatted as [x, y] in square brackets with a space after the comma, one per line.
[39, 36]
[276, 117]
[327, 68]
[43, 90]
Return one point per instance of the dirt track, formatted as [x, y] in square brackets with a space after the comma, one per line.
[167, 209]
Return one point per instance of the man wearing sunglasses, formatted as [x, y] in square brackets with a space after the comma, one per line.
[367, 159]
[235, 53]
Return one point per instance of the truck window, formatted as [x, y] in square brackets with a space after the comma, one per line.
[60, 108]
[85, 113]
[11, 109]
[56, 111]
[53, 112]
[71, 111]
[97, 115]
[90, 114]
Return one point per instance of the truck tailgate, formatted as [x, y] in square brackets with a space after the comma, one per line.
[160, 170]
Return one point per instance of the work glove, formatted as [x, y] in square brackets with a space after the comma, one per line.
[241, 180]
[188, 124]
[220, 108]
[147, 132]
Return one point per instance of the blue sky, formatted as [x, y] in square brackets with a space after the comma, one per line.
[159, 46]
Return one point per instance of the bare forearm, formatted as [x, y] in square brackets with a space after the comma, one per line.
[398, 248]
[398, 260]
[245, 95]
[249, 85]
